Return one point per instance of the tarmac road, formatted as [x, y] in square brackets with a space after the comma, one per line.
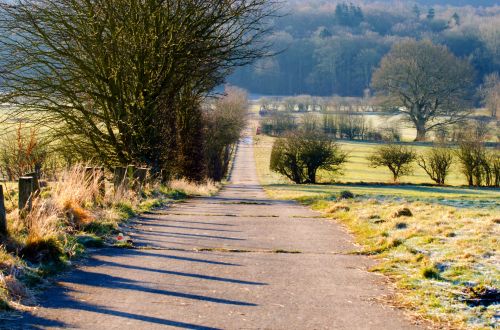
[226, 262]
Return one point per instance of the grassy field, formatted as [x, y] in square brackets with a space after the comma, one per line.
[443, 258]
[357, 168]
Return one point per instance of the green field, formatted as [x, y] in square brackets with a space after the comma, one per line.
[362, 179]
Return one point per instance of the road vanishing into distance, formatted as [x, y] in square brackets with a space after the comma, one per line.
[238, 260]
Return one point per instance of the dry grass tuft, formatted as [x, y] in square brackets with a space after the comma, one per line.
[77, 216]
[336, 208]
[75, 188]
[42, 249]
[42, 220]
[16, 290]
[403, 212]
[208, 188]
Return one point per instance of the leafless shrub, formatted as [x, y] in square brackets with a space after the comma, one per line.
[436, 163]
[479, 165]
[397, 158]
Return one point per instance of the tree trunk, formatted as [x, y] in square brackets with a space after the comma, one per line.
[311, 175]
[421, 131]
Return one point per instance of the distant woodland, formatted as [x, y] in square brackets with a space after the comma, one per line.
[329, 48]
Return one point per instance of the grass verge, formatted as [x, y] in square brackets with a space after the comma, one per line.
[441, 258]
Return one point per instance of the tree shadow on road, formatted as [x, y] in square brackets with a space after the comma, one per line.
[169, 256]
[60, 297]
[36, 322]
[187, 227]
[189, 236]
[183, 274]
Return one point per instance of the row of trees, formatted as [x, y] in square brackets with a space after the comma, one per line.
[123, 82]
[480, 166]
[298, 155]
[428, 85]
[343, 125]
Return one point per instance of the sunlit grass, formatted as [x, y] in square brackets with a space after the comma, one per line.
[449, 244]
[359, 177]
[438, 252]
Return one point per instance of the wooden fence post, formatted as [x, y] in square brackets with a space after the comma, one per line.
[26, 191]
[89, 175]
[36, 182]
[140, 176]
[130, 172]
[164, 176]
[120, 178]
[3, 214]
[101, 181]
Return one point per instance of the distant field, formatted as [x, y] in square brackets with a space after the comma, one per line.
[357, 171]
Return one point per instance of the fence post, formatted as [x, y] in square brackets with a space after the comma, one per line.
[3, 214]
[164, 176]
[36, 182]
[140, 175]
[120, 178]
[130, 172]
[101, 181]
[26, 190]
[89, 175]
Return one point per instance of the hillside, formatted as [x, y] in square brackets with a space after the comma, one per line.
[325, 51]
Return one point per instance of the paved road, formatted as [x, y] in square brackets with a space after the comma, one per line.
[224, 262]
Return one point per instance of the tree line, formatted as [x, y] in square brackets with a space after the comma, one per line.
[334, 49]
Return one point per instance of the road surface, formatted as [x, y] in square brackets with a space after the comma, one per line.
[234, 261]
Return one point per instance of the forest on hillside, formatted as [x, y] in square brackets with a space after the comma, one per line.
[332, 48]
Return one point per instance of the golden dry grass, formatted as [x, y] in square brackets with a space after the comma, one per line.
[195, 189]
[46, 237]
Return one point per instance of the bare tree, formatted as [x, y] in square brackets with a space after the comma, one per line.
[397, 158]
[427, 84]
[479, 165]
[437, 163]
[490, 92]
[117, 78]
[300, 154]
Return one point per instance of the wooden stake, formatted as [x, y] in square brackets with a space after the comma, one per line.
[26, 190]
[3, 214]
